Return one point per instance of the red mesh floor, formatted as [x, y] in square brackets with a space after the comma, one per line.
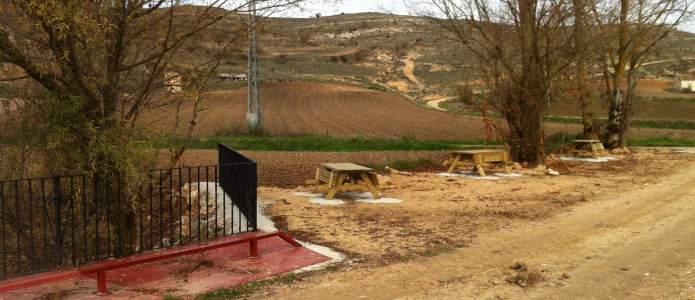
[187, 275]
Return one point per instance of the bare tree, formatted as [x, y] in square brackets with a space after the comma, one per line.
[107, 60]
[518, 44]
[583, 58]
[630, 29]
[98, 66]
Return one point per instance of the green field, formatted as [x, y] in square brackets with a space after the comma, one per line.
[333, 144]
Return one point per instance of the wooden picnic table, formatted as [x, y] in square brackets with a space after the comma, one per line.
[478, 158]
[332, 178]
[591, 146]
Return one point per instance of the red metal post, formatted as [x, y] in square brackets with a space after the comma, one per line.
[101, 283]
[254, 248]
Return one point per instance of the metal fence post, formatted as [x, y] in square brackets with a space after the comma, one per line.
[254, 197]
[58, 221]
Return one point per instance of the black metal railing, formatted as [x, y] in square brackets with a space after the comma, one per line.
[240, 185]
[66, 221]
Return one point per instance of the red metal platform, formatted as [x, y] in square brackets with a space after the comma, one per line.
[185, 275]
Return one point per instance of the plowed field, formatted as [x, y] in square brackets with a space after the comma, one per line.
[343, 111]
[338, 110]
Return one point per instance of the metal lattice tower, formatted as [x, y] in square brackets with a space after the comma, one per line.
[253, 115]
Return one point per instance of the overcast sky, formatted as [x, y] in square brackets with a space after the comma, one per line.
[327, 8]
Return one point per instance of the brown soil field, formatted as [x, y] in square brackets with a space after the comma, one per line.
[654, 84]
[330, 109]
[343, 111]
[439, 213]
[290, 169]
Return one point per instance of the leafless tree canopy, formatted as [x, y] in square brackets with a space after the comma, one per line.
[520, 46]
[104, 62]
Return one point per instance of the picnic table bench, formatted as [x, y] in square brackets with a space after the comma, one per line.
[332, 178]
[478, 158]
[591, 146]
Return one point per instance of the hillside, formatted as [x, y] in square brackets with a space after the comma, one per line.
[401, 55]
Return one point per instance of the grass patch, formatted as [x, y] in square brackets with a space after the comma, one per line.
[455, 106]
[660, 142]
[334, 144]
[639, 123]
[250, 287]
[317, 143]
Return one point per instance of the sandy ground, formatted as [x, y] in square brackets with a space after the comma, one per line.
[437, 102]
[409, 67]
[597, 231]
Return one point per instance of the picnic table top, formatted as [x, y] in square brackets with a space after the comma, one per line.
[479, 151]
[587, 141]
[345, 167]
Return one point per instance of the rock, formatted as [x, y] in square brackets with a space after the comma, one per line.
[383, 180]
[394, 171]
[621, 151]
[519, 267]
[552, 172]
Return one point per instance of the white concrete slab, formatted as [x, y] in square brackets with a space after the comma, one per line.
[587, 159]
[478, 177]
[504, 175]
[331, 202]
[449, 175]
[307, 194]
[380, 201]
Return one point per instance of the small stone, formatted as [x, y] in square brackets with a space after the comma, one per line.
[552, 172]
[519, 267]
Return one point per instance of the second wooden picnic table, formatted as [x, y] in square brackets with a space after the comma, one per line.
[478, 158]
[340, 177]
[593, 147]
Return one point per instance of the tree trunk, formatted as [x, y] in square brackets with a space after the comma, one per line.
[531, 96]
[615, 131]
[590, 126]
[530, 136]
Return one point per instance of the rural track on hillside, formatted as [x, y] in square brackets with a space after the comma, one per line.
[638, 245]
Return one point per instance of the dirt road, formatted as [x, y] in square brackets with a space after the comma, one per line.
[640, 245]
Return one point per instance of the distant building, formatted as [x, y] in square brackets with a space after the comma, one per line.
[232, 77]
[173, 82]
[685, 82]
[685, 85]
